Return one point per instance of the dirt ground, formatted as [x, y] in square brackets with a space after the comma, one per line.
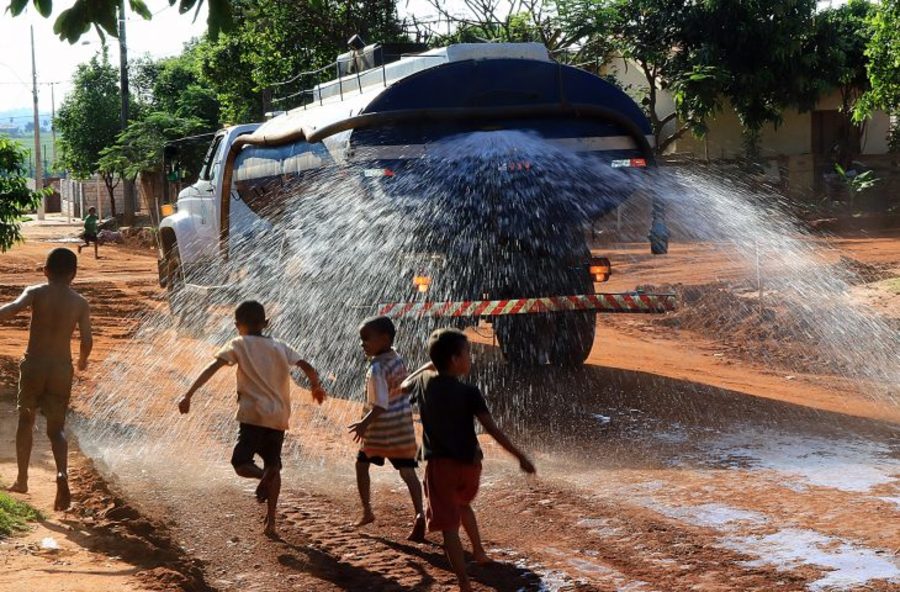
[672, 461]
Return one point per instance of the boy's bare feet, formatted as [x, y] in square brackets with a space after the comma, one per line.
[418, 532]
[63, 495]
[20, 486]
[270, 530]
[367, 518]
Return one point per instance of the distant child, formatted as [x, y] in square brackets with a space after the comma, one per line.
[90, 232]
[45, 375]
[452, 475]
[386, 430]
[264, 400]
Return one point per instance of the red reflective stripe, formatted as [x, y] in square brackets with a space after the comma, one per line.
[611, 301]
[479, 308]
[630, 304]
[497, 310]
[635, 302]
[518, 306]
[462, 308]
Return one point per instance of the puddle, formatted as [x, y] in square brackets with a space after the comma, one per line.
[844, 564]
[710, 515]
[848, 465]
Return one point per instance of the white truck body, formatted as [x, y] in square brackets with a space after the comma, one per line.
[194, 227]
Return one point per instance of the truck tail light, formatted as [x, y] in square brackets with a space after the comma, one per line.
[422, 283]
[600, 269]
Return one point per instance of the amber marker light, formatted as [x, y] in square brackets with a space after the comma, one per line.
[600, 269]
[422, 283]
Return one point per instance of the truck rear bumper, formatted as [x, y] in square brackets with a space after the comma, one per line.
[633, 302]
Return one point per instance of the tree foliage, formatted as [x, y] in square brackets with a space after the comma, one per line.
[139, 148]
[883, 53]
[88, 119]
[15, 196]
[274, 40]
[176, 85]
[839, 44]
[103, 15]
[748, 53]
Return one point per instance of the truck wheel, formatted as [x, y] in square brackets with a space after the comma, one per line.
[560, 339]
[174, 281]
[573, 338]
[522, 342]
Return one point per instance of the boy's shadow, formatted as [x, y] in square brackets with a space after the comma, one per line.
[500, 576]
[319, 564]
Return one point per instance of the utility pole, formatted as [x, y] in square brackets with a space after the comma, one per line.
[38, 169]
[53, 124]
[127, 186]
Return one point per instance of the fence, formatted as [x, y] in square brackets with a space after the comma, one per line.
[77, 196]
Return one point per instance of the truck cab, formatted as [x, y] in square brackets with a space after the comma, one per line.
[189, 238]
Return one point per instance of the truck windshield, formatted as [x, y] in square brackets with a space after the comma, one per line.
[262, 173]
[209, 159]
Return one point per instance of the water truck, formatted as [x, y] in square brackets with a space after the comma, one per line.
[526, 268]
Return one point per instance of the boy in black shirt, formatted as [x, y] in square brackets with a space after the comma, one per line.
[447, 408]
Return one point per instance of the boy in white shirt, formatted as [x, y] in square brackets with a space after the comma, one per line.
[264, 400]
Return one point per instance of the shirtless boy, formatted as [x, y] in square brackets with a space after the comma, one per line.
[45, 375]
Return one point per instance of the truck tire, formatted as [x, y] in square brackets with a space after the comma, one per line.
[521, 339]
[562, 339]
[174, 281]
[574, 338]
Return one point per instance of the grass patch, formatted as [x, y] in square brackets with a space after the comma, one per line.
[25, 219]
[15, 514]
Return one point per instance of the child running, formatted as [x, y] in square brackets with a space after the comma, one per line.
[386, 430]
[90, 232]
[45, 375]
[452, 475]
[264, 400]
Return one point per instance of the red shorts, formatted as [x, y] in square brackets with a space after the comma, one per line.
[449, 486]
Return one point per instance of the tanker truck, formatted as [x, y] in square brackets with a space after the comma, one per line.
[381, 123]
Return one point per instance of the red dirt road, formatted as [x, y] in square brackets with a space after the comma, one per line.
[662, 466]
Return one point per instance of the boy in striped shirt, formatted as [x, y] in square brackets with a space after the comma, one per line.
[386, 430]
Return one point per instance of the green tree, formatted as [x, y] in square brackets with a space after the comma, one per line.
[88, 120]
[883, 51]
[15, 196]
[176, 85]
[138, 150]
[707, 53]
[839, 45]
[103, 15]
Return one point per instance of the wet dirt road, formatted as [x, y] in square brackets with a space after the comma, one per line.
[660, 468]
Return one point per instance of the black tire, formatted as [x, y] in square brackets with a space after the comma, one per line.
[562, 339]
[186, 314]
[521, 339]
[574, 340]
[174, 282]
